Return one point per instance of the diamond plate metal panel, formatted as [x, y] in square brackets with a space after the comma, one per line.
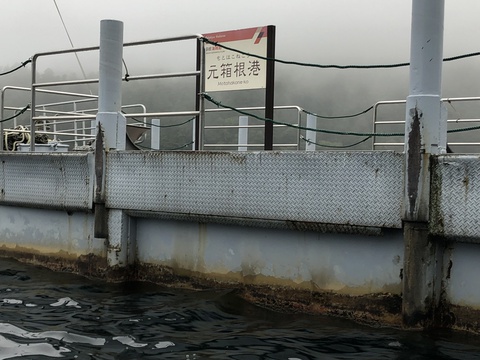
[456, 197]
[353, 188]
[47, 180]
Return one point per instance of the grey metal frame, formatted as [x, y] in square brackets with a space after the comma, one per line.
[36, 85]
[391, 122]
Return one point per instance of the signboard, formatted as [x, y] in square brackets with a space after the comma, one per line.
[230, 70]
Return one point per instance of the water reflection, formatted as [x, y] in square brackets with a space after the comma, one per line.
[51, 315]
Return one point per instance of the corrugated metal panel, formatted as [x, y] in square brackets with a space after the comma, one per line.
[456, 197]
[354, 188]
[56, 180]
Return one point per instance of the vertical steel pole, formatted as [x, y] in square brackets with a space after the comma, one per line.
[200, 101]
[424, 110]
[109, 116]
[33, 103]
[155, 134]
[270, 87]
[242, 133]
[311, 136]
[2, 114]
[423, 138]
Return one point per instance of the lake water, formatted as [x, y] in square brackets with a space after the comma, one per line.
[46, 315]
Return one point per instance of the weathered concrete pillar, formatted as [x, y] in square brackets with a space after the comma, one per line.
[424, 136]
[121, 239]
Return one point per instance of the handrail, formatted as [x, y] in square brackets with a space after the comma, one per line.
[36, 85]
[299, 109]
[76, 116]
[448, 100]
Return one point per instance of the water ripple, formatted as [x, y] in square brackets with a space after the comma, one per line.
[51, 315]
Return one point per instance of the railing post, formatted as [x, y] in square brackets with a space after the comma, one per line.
[311, 136]
[422, 273]
[2, 114]
[109, 117]
[155, 134]
[242, 133]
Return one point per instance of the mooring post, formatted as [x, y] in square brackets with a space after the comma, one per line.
[424, 136]
[109, 117]
[111, 225]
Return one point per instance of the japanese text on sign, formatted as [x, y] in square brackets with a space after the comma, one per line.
[229, 70]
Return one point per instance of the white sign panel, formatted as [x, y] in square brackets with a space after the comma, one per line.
[229, 70]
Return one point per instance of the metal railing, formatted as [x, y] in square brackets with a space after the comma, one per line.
[47, 119]
[399, 125]
[74, 126]
[36, 87]
[246, 145]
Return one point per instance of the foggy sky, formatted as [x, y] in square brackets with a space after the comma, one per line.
[316, 31]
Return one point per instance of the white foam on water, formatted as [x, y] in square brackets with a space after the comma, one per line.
[6, 328]
[395, 344]
[17, 302]
[12, 301]
[10, 349]
[164, 344]
[67, 302]
[129, 341]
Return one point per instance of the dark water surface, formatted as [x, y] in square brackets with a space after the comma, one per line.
[46, 315]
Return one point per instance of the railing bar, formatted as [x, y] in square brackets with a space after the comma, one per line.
[239, 126]
[145, 42]
[248, 145]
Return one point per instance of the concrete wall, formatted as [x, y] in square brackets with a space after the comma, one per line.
[463, 281]
[52, 232]
[346, 264]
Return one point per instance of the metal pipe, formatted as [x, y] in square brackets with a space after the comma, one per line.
[145, 42]
[33, 103]
[250, 108]
[2, 114]
[148, 115]
[249, 145]
[242, 132]
[130, 78]
[425, 134]
[110, 74]
[238, 126]
[200, 101]
[56, 92]
[299, 134]
[109, 117]
[155, 135]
